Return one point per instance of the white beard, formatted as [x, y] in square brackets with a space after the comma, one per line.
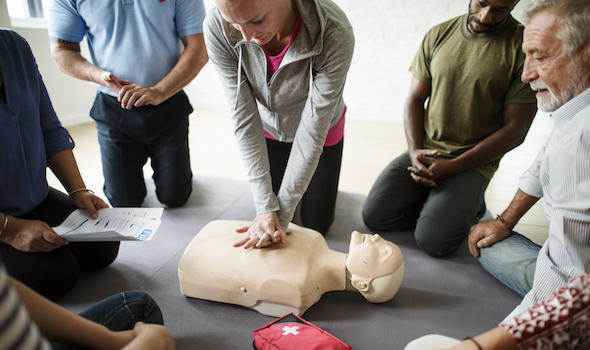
[549, 102]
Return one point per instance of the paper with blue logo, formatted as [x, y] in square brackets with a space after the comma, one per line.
[112, 224]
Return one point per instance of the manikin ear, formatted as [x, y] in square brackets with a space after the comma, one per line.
[385, 253]
[361, 284]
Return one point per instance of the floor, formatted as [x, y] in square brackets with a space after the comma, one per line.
[368, 147]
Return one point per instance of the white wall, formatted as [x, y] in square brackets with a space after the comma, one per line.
[387, 33]
[71, 98]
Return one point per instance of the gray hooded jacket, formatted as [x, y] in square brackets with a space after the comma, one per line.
[299, 104]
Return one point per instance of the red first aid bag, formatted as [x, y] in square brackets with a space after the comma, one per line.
[291, 332]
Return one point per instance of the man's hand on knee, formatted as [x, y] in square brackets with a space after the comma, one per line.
[485, 234]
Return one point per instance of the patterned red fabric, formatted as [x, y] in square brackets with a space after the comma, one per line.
[561, 321]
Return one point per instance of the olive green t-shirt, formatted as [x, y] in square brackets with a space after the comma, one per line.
[472, 77]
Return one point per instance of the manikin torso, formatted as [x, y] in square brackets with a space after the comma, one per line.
[273, 281]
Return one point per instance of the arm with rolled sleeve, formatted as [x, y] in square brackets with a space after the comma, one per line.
[529, 180]
[59, 155]
[189, 25]
[528, 193]
[486, 233]
[55, 137]
[31, 235]
[67, 28]
[330, 69]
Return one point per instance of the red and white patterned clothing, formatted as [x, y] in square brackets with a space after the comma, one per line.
[561, 321]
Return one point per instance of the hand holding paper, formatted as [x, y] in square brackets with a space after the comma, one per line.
[112, 224]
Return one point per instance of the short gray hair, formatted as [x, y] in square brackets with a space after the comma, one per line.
[574, 22]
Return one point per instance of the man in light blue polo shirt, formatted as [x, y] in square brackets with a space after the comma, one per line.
[142, 54]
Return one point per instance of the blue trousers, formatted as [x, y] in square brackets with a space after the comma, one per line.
[440, 216]
[120, 312]
[128, 138]
[512, 261]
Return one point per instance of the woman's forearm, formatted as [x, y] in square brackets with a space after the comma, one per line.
[60, 325]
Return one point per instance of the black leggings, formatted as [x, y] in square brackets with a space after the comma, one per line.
[318, 204]
[54, 273]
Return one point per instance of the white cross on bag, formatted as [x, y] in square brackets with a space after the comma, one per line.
[290, 330]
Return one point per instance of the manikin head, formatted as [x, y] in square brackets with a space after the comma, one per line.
[556, 42]
[376, 266]
[487, 16]
[258, 20]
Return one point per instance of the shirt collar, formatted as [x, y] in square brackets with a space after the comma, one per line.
[572, 107]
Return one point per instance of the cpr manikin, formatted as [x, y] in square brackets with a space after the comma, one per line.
[287, 278]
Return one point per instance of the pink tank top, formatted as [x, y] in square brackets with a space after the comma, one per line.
[336, 133]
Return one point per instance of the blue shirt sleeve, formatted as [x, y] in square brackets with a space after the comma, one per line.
[65, 22]
[55, 136]
[30, 131]
[190, 15]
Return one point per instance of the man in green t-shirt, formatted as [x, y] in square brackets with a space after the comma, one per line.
[468, 69]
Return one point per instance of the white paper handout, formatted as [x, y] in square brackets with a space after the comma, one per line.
[112, 224]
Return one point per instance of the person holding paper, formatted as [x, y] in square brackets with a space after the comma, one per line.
[32, 138]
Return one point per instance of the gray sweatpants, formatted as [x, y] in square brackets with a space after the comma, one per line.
[441, 215]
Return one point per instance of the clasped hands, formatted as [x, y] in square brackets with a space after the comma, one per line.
[427, 168]
[130, 94]
[264, 231]
[37, 236]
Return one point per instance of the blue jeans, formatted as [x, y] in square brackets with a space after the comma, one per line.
[512, 261]
[120, 312]
[128, 138]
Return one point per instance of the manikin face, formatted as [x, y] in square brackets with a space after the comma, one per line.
[556, 77]
[486, 16]
[371, 256]
[258, 20]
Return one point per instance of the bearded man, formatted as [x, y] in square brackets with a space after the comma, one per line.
[557, 66]
[468, 69]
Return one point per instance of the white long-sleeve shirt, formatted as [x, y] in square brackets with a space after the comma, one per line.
[561, 175]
